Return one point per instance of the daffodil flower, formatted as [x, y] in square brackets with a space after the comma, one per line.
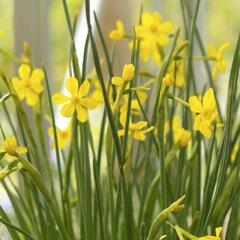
[204, 112]
[118, 33]
[154, 29]
[63, 136]
[176, 72]
[127, 75]
[136, 130]
[217, 55]
[29, 85]
[78, 100]
[11, 148]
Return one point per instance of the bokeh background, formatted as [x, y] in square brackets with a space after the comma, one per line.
[43, 24]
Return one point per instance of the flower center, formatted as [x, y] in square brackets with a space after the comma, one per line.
[27, 84]
[153, 29]
[75, 101]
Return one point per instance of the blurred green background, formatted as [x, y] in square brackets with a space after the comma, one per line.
[218, 22]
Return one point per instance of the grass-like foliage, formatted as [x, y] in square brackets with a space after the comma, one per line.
[164, 162]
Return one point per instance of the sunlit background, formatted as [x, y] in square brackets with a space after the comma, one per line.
[218, 21]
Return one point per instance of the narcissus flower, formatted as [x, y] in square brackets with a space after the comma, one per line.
[147, 51]
[63, 136]
[11, 148]
[176, 72]
[118, 33]
[136, 130]
[127, 75]
[29, 85]
[217, 237]
[217, 55]
[167, 80]
[78, 100]
[204, 112]
[154, 29]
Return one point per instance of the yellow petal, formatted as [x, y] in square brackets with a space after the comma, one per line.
[118, 33]
[121, 132]
[37, 75]
[59, 98]
[31, 98]
[72, 86]
[222, 47]
[24, 71]
[139, 135]
[84, 89]
[205, 129]
[166, 26]
[18, 86]
[195, 104]
[209, 99]
[128, 72]
[67, 110]
[141, 124]
[117, 80]
[21, 150]
[82, 114]
[38, 88]
[218, 231]
[88, 102]
[211, 49]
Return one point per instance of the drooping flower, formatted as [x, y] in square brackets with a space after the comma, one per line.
[78, 100]
[63, 136]
[217, 237]
[29, 84]
[205, 112]
[217, 55]
[118, 33]
[11, 148]
[136, 130]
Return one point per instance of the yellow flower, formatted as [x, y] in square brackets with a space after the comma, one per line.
[154, 29]
[77, 101]
[29, 85]
[217, 237]
[136, 130]
[135, 107]
[11, 148]
[118, 33]
[63, 136]
[180, 135]
[204, 112]
[127, 75]
[148, 50]
[217, 55]
[167, 80]
[176, 71]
